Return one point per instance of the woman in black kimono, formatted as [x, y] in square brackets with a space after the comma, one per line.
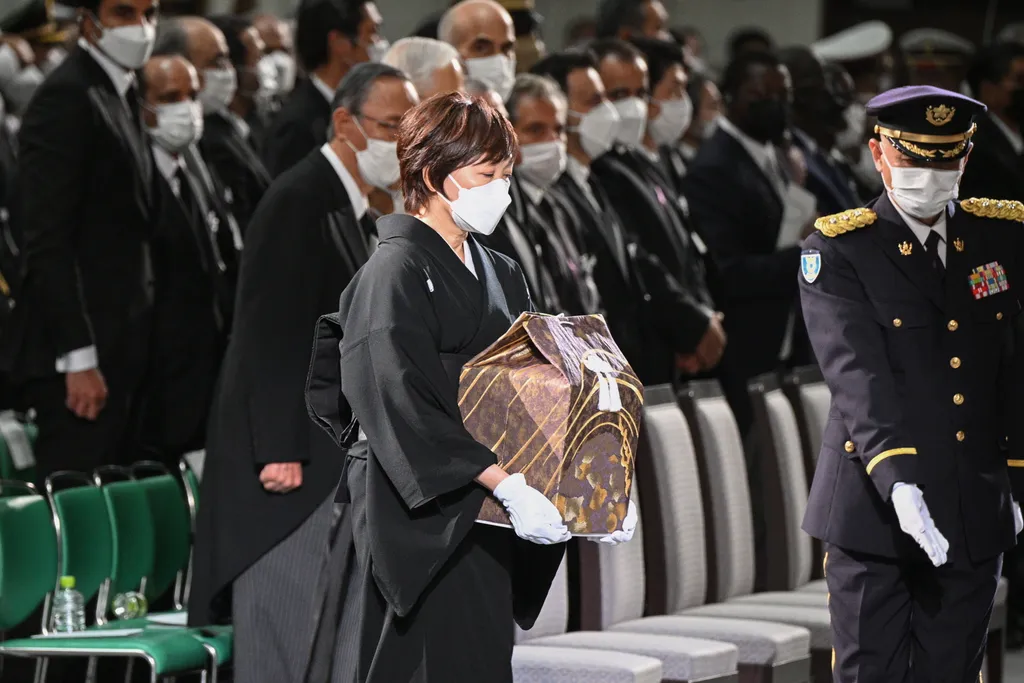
[424, 594]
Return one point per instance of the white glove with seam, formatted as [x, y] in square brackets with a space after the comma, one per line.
[916, 522]
[1018, 519]
[534, 517]
[625, 533]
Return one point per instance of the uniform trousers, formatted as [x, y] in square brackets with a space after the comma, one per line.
[273, 604]
[906, 621]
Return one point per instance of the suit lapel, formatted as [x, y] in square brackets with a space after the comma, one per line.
[900, 244]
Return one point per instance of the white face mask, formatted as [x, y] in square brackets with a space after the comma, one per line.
[378, 49]
[597, 129]
[267, 88]
[672, 121]
[543, 162]
[178, 125]
[478, 209]
[54, 58]
[923, 192]
[286, 68]
[497, 71]
[128, 46]
[219, 90]
[853, 135]
[10, 64]
[19, 90]
[378, 163]
[632, 122]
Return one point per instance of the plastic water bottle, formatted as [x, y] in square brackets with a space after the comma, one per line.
[68, 607]
[130, 605]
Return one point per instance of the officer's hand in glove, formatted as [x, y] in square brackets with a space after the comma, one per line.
[916, 521]
[1018, 520]
[534, 517]
[624, 534]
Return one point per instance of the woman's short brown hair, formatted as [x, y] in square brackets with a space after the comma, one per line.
[445, 133]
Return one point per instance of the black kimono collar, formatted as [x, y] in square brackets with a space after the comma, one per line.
[403, 226]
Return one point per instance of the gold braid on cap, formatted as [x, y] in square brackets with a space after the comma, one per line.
[847, 221]
[1005, 209]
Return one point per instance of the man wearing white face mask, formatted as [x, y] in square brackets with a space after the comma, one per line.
[483, 33]
[911, 304]
[80, 350]
[639, 186]
[192, 295]
[277, 37]
[332, 36]
[537, 110]
[269, 492]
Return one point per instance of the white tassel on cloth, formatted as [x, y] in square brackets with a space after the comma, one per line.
[608, 399]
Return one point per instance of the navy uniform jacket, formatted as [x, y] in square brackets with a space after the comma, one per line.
[925, 386]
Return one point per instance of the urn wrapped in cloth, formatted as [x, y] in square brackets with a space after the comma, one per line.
[556, 400]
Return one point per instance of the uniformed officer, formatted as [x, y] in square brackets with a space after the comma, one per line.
[910, 304]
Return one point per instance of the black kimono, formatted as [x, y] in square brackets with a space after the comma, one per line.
[429, 595]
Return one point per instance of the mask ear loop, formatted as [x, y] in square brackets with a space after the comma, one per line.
[362, 132]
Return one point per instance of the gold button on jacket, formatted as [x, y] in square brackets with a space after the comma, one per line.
[896, 322]
[850, 448]
[954, 362]
[960, 436]
[952, 325]
[958, 399]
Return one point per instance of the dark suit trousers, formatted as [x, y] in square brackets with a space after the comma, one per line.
[909, 622]
[68, 442]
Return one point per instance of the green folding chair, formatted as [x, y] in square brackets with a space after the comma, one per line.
[34, 551]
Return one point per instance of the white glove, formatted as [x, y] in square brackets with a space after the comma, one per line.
[624, 534]
[1018, 520]
[916, 522]
[534, 517]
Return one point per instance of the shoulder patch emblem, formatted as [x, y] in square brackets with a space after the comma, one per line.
[1005, 209]
[847, 221]
[810, 265]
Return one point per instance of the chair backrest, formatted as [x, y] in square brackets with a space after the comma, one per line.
[791, 551]
[726, 494]
[85, 541]
[132, 527]
[623, 575]
[815, 399]
[191, 482]
[554, 615]
[171, 532]
[28, 554]
[679, 529]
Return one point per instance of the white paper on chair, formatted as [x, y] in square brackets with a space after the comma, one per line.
[94, 633]
[800, 209]
[168, 618]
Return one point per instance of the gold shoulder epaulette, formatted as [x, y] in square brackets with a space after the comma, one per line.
[838, 223]
[1006, 209]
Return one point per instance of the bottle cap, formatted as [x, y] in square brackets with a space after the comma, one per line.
[67, 582]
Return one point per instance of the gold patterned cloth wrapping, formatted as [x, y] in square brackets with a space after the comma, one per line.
[556, 400]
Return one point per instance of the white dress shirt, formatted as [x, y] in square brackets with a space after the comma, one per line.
[763, 154]
[324, 89]
[581, 174]
[169, 165]
[86, 358]
[360, 203]
[922, 230]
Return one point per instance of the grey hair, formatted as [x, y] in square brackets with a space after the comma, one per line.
[171, 39]
[419, 58]
[540, 87]
[355, 88]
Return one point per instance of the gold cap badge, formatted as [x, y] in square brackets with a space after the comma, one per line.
[906, 248]
[940, 115]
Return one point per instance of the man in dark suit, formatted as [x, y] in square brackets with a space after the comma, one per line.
[79, 347]
[228, 144]
[642, 302]
[191, 276]
[912, 305]
[332, 36]
[818, 118]
[738, 192]
[997, 154]
[270, 472]
[632, 176]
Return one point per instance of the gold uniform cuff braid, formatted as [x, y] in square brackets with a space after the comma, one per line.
[1015, 463]
[888, 454]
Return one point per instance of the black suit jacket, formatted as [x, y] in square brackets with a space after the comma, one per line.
[297, 129]
[301, 250]
[188, 327]
[833, 189]
[994, 168]
[924, 387]
[234, 161]
[88, 207]
[740, 214]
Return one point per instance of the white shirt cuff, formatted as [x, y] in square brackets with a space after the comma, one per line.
[79, 360]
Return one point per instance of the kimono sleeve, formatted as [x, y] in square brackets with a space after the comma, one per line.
[399, 392]
[850, 346]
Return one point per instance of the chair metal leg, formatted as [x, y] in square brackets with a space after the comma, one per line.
[90, 672]
[128, 670]
[42, 664]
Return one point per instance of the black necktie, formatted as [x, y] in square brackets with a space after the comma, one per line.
[931, 245]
